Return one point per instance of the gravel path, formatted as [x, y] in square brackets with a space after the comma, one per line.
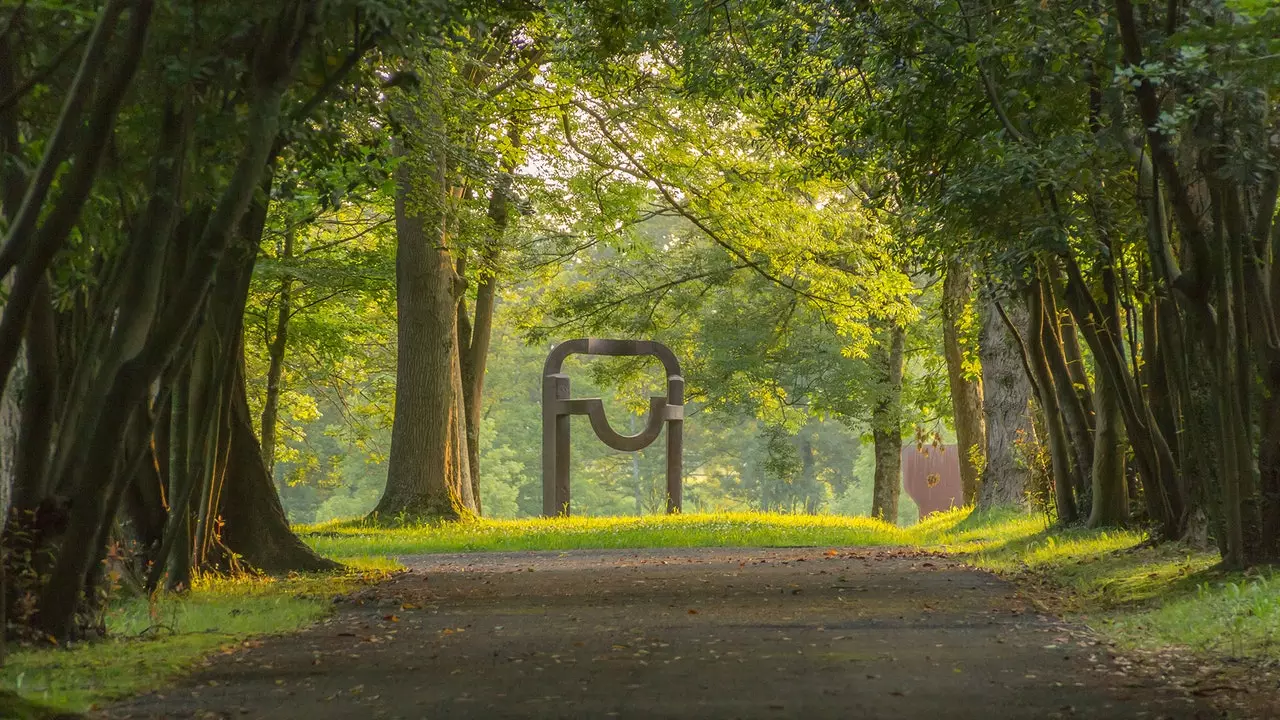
[699, 633]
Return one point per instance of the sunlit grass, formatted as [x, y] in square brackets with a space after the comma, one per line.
[151, 642]
[340, 540]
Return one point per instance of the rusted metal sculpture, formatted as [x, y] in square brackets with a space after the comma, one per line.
[557, 406]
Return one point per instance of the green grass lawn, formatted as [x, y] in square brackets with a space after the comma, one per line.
[356, 538]
[1140, 596]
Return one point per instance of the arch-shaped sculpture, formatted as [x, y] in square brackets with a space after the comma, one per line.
[558, 406]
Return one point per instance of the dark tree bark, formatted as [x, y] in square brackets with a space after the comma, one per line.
[966, 392]
[886, 424]
[256, 527]
[39, 389]
[1006, 409]
[102, 430]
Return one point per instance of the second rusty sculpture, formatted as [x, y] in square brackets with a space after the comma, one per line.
[558, 406]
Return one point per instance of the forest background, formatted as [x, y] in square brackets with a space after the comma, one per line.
[317, 250]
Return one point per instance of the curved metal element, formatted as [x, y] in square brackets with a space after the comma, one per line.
[557, 408]
[616, 348]
[593, 408]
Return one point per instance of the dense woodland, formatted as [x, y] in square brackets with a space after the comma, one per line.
[317, 250]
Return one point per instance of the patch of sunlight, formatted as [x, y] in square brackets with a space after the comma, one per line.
[343, 539]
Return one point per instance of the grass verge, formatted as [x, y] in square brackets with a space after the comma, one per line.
[150, 643]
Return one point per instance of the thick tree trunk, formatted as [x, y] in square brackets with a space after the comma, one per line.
[886, 423]
[1110, 490]
[423, 476]
[1006, 409]
[966, 392]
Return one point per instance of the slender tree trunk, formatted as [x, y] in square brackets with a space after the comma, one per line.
[1167, 500]
[1076, 369]
[1006, 409]
[479, 333]
[966, 391]
[808, 472]
[1055, 429]
[1076, 418]
[177, 535]
[275, 367]
[886, 423]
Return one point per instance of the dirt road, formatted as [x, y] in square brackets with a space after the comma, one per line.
[705, 633]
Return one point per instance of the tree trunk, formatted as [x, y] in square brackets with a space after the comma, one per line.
[1110, 489]
[966, 392]
[1006, 402]
[808, 472]
[10, 431]
[38, 395]
[1167, 500]
[1076, 419]
[423, 479]
[886, 423]
[275, 367]
[1059, 446]
[480, 331]
[256, 528]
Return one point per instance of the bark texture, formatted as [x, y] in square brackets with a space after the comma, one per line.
[886, 423]
[428, 453]
[10, 430]
[1110, 489]
[966, 392]
[1006, 409]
